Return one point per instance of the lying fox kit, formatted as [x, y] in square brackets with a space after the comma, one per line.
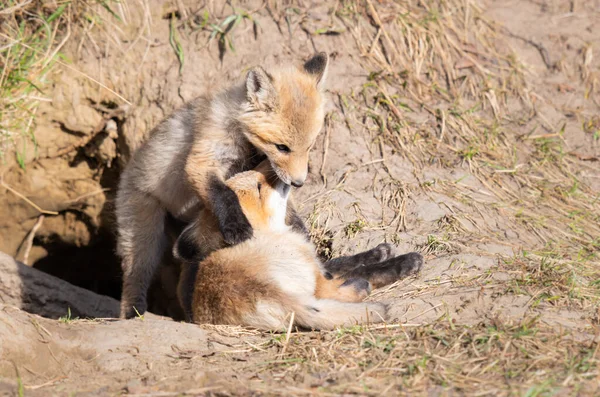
[259, 282]
[182, 167]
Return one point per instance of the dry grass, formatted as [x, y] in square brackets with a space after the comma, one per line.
[441, 93]
[493, 357]
[32, 36]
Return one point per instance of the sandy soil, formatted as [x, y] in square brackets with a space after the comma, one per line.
[363, 187]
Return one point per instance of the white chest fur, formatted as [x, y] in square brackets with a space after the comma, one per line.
[291, 263]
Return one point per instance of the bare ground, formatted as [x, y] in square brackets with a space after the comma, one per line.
[465, 130]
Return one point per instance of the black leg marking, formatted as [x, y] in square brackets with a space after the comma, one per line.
[294, 220]
[186, 286]
[185, 247]
[359, 284]
[190, 254]
[387, 272]
[343, 264]
[232, 222]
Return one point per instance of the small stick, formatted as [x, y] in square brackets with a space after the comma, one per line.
[375, 40]
[50, 382]
[13, 191]
[325, 151]
[288, 334]
[390, 103]
[12, 9]
[426, 311]
[443, 130]
[30, 237]
[377, 20]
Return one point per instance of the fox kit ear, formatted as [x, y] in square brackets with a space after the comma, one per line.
[259, 89]
[317, 66]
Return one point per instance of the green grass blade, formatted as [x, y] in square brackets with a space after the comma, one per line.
[107, 8]
[57, 13]
[175, 44]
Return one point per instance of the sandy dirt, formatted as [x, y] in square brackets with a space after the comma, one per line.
[366, 185]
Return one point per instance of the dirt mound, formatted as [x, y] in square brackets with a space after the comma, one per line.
[465, 130]
[100, 357]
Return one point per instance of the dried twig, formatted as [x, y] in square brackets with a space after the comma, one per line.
[49, 383]
[30, 237]
[288, 334]
[34, 205]
[328, 129]
[11, 10]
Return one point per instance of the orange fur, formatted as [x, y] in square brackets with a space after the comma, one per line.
[257, 282]
[333, 289]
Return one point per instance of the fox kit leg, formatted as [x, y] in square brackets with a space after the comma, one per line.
[207, 179]
[344, 290]
[190, 254]
[141, 245]
[389, 271]
[233, 224]
[341, 265]
[293, 219]
[185, 288]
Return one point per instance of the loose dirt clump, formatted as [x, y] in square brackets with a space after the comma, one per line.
[466, 130]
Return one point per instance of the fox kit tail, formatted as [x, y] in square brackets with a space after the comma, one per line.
[327, 313]
[317, 314]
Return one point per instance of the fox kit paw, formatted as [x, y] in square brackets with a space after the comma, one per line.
[129, 311]
[359, 288]
[411, 263]
[381, 253]
[236, 231]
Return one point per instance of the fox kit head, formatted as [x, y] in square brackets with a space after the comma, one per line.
[284, 114]
[263, 197]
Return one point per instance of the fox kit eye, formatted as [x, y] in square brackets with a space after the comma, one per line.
[259, 186]
[283, 148]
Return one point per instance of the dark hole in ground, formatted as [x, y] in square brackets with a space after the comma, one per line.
[94, 267]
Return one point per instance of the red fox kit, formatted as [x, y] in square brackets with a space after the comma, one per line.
[182, 167]
[261, 280]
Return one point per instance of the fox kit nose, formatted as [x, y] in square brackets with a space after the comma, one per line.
[297, 183]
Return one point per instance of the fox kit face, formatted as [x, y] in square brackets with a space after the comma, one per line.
[262, 196]
[284, 114]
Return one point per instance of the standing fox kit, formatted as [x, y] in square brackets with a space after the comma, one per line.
[259, 282]
[182, 167]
